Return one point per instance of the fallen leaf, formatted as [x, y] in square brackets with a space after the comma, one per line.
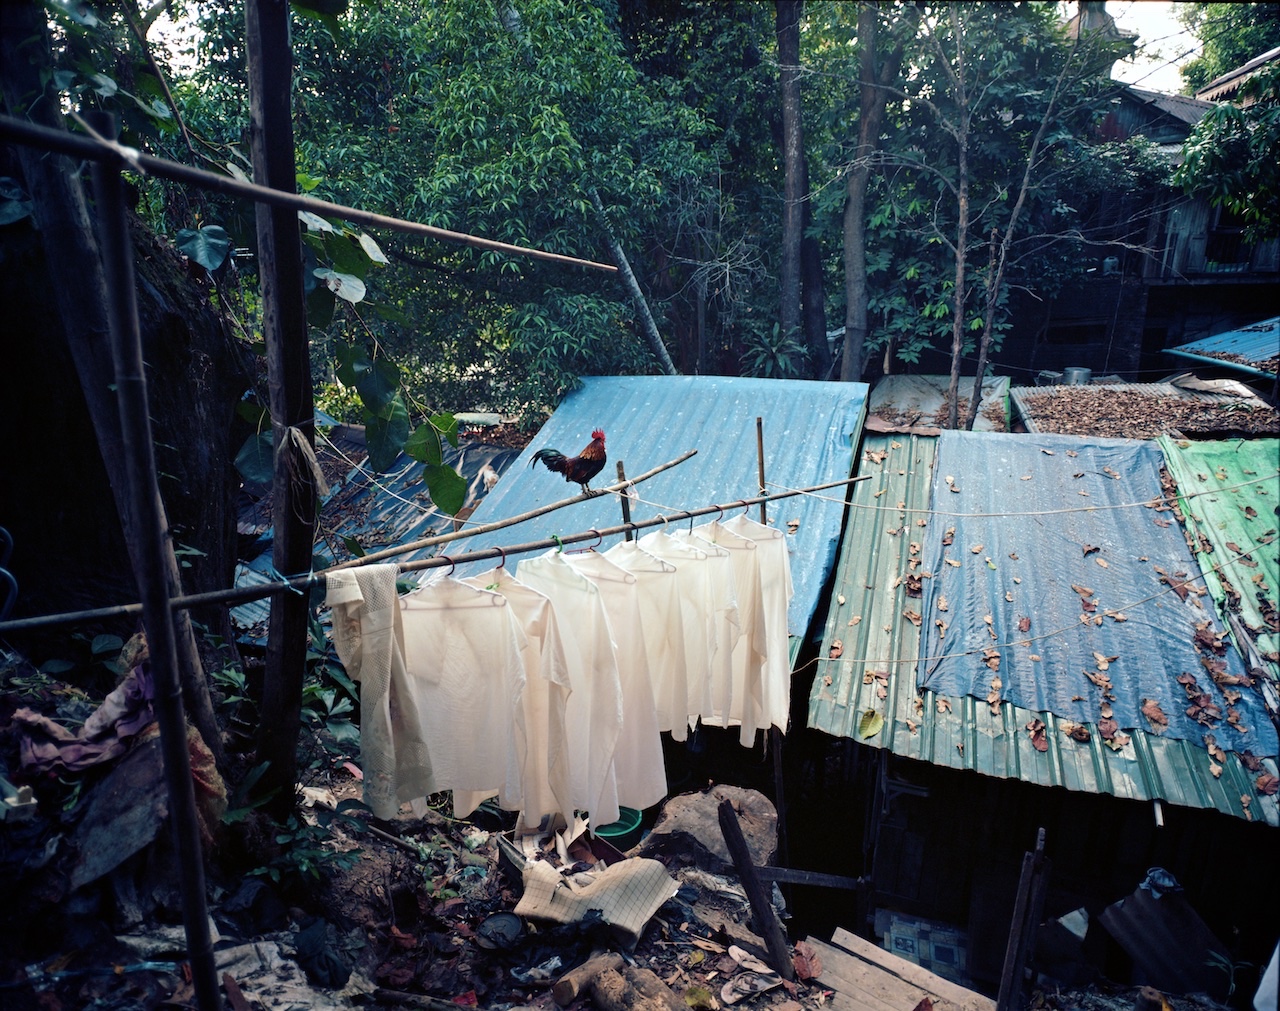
[836, 649]
[949, 536]
[1249, 511]
[976, 548]
[1102, 562]
[855, 619]
[793, 526]
[1118, 742]
[870, 724]
[700, 997]
[1072, 452]
[944, 704]
[952, 562]
[1076, 731]
[840, 599]
[806, 961]
[1114, 475]
[1266, 784]
[1215, 770]
[1038, 740]
[912, 725]
[1035, 657]
[1047, 452]
[913, 616]
[1025, 477]
[1024, 624]
[1090, 549]
[942, 604]
[941, 626]
[1155, 715]
[1008, 596]
[1014, 556]
[1083, 591]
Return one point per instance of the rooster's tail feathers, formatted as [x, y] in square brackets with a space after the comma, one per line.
[552, 459]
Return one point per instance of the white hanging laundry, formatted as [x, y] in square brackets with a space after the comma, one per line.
[700, 613]
[776, 593]
[726, 623]
[663, 625]
[462, 651]
[366, 635]
[545, 776]
[746, 704]
[637, 761]
[593, 715]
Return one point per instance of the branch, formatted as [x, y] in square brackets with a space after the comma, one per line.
[141, 38]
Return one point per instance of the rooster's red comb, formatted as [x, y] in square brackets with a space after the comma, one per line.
[598, 434]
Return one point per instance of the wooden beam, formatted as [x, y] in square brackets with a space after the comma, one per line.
[766, 922]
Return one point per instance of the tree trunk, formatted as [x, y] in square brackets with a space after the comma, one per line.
[872, 100]
[633, 289]
[962, 222]
[788, 31]
[80, 292]
[284, 325]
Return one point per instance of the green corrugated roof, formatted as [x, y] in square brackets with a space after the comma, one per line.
[1230, 494]
[875, 671]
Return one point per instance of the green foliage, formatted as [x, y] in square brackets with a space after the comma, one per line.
[771, 354]
[1230, 157]
[1231, 34]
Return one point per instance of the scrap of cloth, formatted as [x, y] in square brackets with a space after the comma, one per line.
[44, 745]
[1061, 582]
[627, 894]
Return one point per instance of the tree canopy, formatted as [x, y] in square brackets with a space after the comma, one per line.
[1230, 34]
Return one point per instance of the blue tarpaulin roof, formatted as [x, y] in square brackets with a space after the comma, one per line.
[809, 433]
[1052, 557]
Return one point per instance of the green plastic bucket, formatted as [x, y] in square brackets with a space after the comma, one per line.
[623, 833]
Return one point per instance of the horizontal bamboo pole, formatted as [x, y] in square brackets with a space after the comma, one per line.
[297, 584]
[81, 146]
[485, 528]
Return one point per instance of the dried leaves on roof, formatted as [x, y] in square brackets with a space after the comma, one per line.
[1104, 411]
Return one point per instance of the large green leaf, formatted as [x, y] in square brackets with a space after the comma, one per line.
[447, 488]
[207, 246]
[256, 459]
[870, 724]
[385, 436]
[424, 444]
[14, 205]
[447, 425]
[345, 286]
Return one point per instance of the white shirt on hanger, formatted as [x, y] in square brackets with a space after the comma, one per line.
[544, 778]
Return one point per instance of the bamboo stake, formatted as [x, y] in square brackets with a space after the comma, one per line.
[624, 501]
[764, 516]
[153, 573]
[244, 594]
[486, 528]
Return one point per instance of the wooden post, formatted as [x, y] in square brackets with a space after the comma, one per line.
[626, 502]
[766, 921]
[284, 324]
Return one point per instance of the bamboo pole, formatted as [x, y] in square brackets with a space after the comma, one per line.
[99, 149]
[486, 528]
[153, 576]
[624, 501]
[244, 594]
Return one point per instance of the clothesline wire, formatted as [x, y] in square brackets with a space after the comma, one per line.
[1148, 503]
[300, 584]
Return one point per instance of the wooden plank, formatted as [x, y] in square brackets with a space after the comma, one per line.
[866, 982]
[952, 992]
[790, 876]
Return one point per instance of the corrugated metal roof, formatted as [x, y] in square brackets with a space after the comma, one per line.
[1229, 493]
[810, 429]
[1024, 408]
[920, 402]
[875, 672]
[1189, 110]
[1253, 348]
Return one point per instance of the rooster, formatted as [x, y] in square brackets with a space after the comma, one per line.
[581, 468]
